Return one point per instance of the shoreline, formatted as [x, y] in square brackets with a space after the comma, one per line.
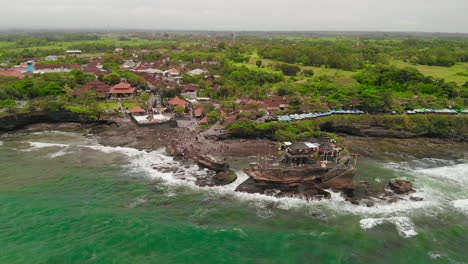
[217, 155]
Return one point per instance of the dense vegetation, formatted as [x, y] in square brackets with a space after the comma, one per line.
[430, 125]
[377, 75]
[355, 54]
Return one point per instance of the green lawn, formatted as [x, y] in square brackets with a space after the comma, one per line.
[447, 73]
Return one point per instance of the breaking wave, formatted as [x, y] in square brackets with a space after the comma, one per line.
[404, 225]
[159, 166]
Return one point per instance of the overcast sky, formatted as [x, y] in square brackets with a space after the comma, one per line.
[365, 15]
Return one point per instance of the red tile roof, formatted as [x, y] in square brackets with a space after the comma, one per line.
[199, 111]
[204, 120]
[137, 109]
[122, 88]
[96, 85]
[11, 73]
[177, 101]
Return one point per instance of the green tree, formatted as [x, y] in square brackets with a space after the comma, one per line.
[9, 105]
[290, 70]
[112, 78]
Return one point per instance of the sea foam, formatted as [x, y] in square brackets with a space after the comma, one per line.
[403, 224]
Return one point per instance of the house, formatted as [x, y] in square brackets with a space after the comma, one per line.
[196, 72]
[198, 113]
[51, 58]
[172, 73]
[101, 88]
[74, 52]
[123, 89]
[189, 90]
[46, 68]
[144, 51]
[137, 111]
[204, 120]
[176, 101]
[12, 73]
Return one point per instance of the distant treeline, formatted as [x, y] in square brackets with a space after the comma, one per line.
[423, 125]
[354, 54]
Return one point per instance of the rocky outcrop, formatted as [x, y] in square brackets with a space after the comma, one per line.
[17, 121]
[401, 186]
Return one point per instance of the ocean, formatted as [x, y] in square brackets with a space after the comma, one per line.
[64, 198]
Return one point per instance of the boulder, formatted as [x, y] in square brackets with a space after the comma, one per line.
[211, 163]
[224, 177]
[401, 186]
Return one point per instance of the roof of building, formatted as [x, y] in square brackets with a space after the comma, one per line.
[96, 85]
[122, 88]
[204, 120]
[137, 109]
[177, 101]
[199, 111]
[11, 73]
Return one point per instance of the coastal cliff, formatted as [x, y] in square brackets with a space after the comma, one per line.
[17, 121]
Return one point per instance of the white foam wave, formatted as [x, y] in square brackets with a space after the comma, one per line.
[41, 145]
[403, 224]
[46, 132]
[461, 205]
[456, 173]
[143, 162]
[1, 143]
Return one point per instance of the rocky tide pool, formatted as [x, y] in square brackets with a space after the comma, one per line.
[67, 199]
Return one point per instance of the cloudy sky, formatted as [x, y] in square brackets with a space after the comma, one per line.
[368, 15]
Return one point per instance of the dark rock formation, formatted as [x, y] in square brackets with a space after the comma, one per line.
[401, 186]
[17, 121]
[224, 177]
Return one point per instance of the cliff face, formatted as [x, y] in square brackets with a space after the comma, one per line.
[12, 122]
[370, 129]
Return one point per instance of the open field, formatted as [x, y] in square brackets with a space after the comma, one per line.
[447, 73]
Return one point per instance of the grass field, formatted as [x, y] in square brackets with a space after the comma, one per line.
[447, 73]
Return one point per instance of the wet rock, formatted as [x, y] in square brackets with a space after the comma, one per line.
[401, 186]
[316, 194]
[249, 186]
[417, 199]
[224, 177]
[394, 200]
[211, 163]
[370, 204]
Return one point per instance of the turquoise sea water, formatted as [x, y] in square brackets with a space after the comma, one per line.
[66, 199]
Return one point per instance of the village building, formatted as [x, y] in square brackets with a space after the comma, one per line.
[172, 73]
[47, 68]
[12, 73]
[123, 89]
[101, 88]
[196, 72]
[189, 91]
[74, 52]
[137, 111]
[198, 113]
[176, 101]
[51, 58]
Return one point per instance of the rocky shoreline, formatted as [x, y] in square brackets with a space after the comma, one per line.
[209, 149]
